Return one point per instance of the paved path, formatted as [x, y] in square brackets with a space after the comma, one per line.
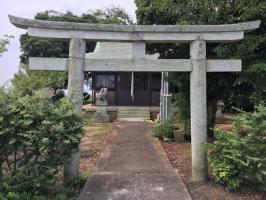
[134, 167]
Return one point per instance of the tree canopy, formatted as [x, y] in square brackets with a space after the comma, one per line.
[4, 42]
[233, 88]
[26, 81]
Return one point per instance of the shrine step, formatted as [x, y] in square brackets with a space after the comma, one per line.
[133, 114]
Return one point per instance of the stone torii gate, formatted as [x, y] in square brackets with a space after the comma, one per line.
[197, 65]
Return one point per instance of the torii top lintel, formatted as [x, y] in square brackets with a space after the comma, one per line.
[149, 33]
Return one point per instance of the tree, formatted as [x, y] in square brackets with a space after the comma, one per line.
[113, 15]
[26, 80]
[4, 43]
[36, 139]
[228, 87]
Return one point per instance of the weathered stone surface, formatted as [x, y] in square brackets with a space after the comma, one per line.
[165, 102]
[159, 33]
[120, 50]
[48, 64]
[101, 115]
[139, 51]
[75, 94]
[135, 36]
[179, 136]
[219, 115]
[71, 168]
[137, 65]
[101, 97]
[76, 73]
[25, 23]
[198, 102]
[224, 65]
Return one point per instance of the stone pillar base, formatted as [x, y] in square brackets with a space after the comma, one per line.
[101, 115]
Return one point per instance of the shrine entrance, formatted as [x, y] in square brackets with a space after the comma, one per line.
[137, 35]
[146, 89]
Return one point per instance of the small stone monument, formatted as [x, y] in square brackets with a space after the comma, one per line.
[101, 114]
[219, 115]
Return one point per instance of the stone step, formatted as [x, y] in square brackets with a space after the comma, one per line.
[134, 116]
[133, 113]
[133, 119]
[145, 109]
[135, 107]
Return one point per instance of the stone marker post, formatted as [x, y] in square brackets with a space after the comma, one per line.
[165, 102]
[198, 110]
[77, 51]
[219, 115]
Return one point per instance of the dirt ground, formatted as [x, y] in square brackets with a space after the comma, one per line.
[95, 139]
[180, 157]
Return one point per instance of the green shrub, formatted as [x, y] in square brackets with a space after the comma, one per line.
[238, 157]
[163, 130]
[36, 138]
[30, 196]
[87, 99]
[181, 108]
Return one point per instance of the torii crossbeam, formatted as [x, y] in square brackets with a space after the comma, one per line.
[197, 65]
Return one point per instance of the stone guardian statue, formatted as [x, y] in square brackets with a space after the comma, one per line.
[101, 115]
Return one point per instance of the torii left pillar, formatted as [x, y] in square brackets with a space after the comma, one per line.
[77, 51]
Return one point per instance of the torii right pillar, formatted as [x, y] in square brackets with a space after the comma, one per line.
[198, 103]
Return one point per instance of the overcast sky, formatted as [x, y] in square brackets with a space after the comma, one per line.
[9, 62]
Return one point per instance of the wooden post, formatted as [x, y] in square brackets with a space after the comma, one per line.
[132, 87]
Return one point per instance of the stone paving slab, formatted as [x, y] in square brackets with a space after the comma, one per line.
[134, 167]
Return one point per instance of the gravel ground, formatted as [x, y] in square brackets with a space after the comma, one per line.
[94, 141]
[180, 157]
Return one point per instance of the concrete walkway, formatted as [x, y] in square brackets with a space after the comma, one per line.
[134, 167]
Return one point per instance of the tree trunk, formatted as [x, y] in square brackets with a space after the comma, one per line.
[212, 108]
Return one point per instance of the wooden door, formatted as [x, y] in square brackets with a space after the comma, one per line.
[123, 92]
[141, 89]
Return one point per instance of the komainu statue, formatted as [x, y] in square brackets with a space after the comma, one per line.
[101, 114]
[101, 97]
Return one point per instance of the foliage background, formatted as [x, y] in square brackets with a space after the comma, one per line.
[26, 81]
[3, 43]
[235, 89]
